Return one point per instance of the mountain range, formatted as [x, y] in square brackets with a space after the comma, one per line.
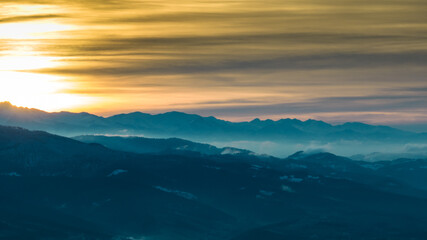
[279, 138]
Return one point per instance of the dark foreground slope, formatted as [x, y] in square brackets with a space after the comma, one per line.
[57, 188]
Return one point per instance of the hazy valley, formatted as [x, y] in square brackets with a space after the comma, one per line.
[103, 186]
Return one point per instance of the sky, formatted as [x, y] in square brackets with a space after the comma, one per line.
[333, 60]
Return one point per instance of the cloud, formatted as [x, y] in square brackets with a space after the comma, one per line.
[238, 58]
[29, 18]
[415, 148]
[330, 104]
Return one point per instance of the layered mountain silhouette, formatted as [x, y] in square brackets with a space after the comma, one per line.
[191, 126]
[278, 138]
[53, 187]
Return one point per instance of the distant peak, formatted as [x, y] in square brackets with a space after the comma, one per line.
[297, 155]
[355, 124]
[313, 120]
[307, 153]
[131, 114]
[137, 114]
[175, 113]
[289, 120]
[179, 114]
[6, 104]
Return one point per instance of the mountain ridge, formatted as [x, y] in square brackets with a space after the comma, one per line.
[160, 146]
[281, 138]
[7, 105]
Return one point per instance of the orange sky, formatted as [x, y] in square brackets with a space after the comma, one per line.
[333, 60]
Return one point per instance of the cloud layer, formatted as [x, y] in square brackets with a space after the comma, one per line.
[334, 59]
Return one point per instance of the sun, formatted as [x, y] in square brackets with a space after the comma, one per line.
[39, 91]
[20, 82]
[24, 88]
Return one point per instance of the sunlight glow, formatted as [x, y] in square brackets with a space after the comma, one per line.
[23, 57]
[31, 30]
[40, 91]
[28, 9]
[26, 89]
[18, 84]
[17, 63]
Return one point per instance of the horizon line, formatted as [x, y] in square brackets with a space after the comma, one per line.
[204, 116]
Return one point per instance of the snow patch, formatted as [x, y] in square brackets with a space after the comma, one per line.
[12, 174]
[256, 167]
[287, 189]
[230, 151]
[266, 193]
[117, 172]
[291, 178]
[184, 147]
[263, 194]
[182, 194]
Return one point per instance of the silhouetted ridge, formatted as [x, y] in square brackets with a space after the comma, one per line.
[205, 129]
[161, 146]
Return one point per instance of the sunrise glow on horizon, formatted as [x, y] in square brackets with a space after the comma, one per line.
[334, 61]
